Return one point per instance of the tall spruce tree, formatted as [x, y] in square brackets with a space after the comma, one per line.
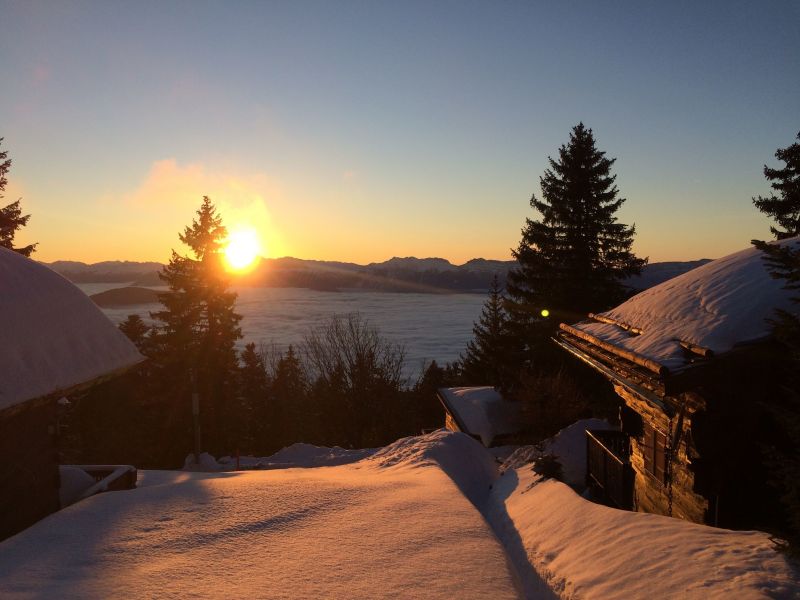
[289, 390]
[486, 360]
[199, 327]
[783, 457]
[257, 421]
[11, 217]
[573, 259]
[784, 205]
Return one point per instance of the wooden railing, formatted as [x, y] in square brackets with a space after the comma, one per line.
[608, 468]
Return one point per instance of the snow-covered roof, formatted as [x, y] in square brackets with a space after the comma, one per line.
[482, 411]
[52, 336]
[717, 306]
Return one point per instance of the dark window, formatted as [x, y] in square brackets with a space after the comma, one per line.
[631, 421]
[654, 444]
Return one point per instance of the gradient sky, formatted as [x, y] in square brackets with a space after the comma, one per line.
[361, 130]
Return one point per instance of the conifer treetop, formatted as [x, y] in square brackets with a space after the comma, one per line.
[784, 205]
[11, 217]
[573, 258]
[206, 234]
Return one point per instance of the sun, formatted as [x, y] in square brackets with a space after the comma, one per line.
[242, 249]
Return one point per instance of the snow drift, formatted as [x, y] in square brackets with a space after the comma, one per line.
[393, 527]
[586, 550]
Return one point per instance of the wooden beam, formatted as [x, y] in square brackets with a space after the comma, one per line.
[695, 349]
[624, 368]
[634, 357]
[615, 377]
[622, 325]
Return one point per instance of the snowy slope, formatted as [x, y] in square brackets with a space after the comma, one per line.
[394, 526]
[426, 517]
[585, 550]
[717, 306]
[52, 337]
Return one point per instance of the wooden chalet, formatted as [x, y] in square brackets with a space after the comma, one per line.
[482, 413]
[53, 340]
[693, 363]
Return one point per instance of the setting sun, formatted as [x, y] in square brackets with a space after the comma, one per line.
[242, 249]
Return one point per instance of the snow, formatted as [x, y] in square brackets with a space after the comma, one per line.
[585, 550]
[300, 455]
[52, 336]
[74, 483]
[717, 306]
[207, 463]
[464, 461]
[391, 526]
[483, 411]
[425, 517]
[568, 446]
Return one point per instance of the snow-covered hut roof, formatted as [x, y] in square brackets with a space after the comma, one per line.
[715, 307]
[52, 336]
[482, 412]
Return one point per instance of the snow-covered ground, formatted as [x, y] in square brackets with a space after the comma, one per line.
[394, 525]
[426, 517]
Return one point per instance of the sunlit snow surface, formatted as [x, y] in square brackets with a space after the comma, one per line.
[417, 519]
[717, 306]
[585, 550]
[393, 526]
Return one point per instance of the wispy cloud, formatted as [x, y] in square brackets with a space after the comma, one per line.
[171, 192]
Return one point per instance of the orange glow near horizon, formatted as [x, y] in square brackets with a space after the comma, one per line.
[242, 249]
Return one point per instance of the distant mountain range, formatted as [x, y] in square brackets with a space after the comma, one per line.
[408, 274]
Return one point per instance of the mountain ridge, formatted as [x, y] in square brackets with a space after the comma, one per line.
[397, 274]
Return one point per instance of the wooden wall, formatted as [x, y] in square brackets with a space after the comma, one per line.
[651, 493]
[29, 477]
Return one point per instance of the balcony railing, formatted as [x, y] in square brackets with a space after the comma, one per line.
[608, 468]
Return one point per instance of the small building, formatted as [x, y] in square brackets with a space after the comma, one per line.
[693, 364]
[53, 340]
[481, 412]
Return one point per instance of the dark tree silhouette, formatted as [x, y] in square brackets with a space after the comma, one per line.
[136, 330]
[198, 328]
[783, 459]
[784, 204]
[254, 424]
[11, 217]
[290, 393]
[358, 374]
[487, 360]
[573, 259]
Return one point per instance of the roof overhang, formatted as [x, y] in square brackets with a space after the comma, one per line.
[616, 374]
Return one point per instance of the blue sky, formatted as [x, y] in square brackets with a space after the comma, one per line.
[362, 130]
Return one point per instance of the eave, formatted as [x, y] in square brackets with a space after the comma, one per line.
[626, 376]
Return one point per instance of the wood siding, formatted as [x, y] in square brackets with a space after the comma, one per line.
[29, 477]
[652, 485]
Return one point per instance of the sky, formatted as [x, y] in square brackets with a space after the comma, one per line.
[362, 130]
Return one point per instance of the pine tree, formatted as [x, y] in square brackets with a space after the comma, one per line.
[258, 420]
[136, 330]
[575, 257]
[785, 207]
[289, 391]
[486, 360]
[783, 460]
[11, 217]
[199, 327]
